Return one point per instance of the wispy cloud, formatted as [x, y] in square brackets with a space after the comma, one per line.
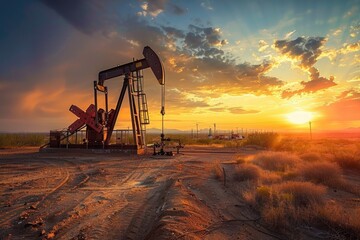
[207, 5]
[289, 34]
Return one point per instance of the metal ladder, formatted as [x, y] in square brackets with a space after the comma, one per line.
[137, 89]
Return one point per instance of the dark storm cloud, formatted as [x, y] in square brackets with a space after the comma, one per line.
[305, 49]
[87, 16]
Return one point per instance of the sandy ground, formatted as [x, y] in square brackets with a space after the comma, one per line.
[111, 196]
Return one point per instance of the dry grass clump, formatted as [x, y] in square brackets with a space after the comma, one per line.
[311, 157]
[347, 160]
[295, 145]
[284, 204]
[323, 172]
[302, 193]
[346, 221]
[247, 172]
[276, 161]
[22, 139]
[267, 139]
[269, 177]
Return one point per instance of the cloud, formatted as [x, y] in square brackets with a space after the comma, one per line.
[207, 6]
[289, 34]
[174, 32]
[263, 45]
[347, 48]
[337, 32]
[204, 42]
[315, 84]
[153, 7]
[351, 47]
[354, 30]
[304, 49]
[233, 110]
[182, 100]
[239, 110]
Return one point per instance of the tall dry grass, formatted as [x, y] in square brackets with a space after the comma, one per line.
[22, 139]
[326, 173]
[284, 204]
[294, 187]
[247, 172]
[276, 161]
[263, 139]
[347, 160]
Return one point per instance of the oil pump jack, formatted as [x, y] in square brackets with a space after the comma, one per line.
[100, 122]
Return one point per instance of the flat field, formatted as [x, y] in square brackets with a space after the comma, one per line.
[204, 193]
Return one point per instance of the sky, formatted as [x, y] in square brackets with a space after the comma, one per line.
[239, 64]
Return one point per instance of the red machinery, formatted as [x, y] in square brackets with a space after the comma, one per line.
[100, 123]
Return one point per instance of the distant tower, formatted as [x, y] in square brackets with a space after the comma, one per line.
[210, 133]
[214, 129]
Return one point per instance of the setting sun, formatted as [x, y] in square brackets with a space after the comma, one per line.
[299, 117]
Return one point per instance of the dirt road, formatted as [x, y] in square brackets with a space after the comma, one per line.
[107, 196]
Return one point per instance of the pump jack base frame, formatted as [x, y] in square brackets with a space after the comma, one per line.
[81, 148]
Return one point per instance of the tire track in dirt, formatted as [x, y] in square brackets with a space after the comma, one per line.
[142, 221]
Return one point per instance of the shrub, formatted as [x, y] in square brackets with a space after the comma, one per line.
[323, 172]
[347, 160]
[22, 139]
[303, 193]
[347, 221]
[276, 161]
[268, 177]
[263, 195]
[246, 172]
[296, 145]
[310, 157]
[267, 139]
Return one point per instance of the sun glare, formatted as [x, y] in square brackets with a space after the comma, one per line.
[299, 117]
